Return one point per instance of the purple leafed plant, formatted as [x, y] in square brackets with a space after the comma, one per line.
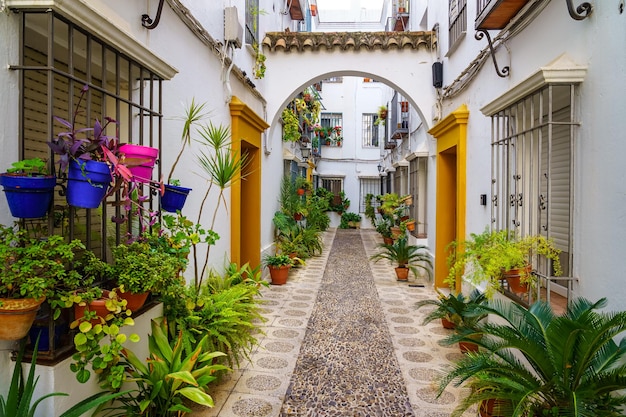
[82, 143]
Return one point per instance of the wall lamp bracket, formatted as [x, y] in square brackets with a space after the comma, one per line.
[146, 20]
[481, 33]
[582, 12]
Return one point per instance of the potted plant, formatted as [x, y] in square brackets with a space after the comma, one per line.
[83, 158]
[174, 195]
[457, 311]
[490, 256]
[28, 188]
[291, 125]
[407, 257]
[34, 269]
[278, 266]
[350, 220]
[382, 116]
[383, 226]
[140, 269]
[545, 364]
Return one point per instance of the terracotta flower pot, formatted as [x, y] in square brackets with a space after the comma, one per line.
[491, 408]
[447, 324]
[513, 277]
[402, 273]
[17, 316]
[279, 274]
[134, 301]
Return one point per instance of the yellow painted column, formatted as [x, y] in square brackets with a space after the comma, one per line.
[245, 225]
[451, 135]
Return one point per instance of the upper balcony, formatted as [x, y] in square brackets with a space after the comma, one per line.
[496, 14]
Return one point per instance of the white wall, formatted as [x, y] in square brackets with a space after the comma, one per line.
[596, 42]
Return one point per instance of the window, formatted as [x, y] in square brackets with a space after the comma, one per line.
[252, 22]
[335, 186]
[417, 188]
[369, 186]
[532, 156]
[331, 119]
[457, 19]
[400, 178]
[58, 58]
[370, 130]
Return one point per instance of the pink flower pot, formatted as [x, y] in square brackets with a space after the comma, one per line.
[140, 160]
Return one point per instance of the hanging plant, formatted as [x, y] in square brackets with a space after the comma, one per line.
[291, 126]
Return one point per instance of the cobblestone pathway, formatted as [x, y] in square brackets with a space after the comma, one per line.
[347, 366]
[342, 338]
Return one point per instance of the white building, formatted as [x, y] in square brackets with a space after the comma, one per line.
[556, 111]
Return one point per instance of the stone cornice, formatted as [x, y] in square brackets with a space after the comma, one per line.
[314, 41]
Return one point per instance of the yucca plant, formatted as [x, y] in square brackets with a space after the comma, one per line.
[541, 364]
[224, 166]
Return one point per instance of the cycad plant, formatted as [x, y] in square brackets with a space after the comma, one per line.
[541, 364]
[405, 255]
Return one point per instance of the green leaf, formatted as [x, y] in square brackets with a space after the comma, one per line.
[197, 395]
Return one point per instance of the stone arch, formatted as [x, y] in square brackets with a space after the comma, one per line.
[402, 61]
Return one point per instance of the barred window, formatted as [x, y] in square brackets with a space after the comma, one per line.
[368, 186]
[334, 185]
[370, 130]
[457, 19]
[532, 159]
[331, 119]
[58, 59]
[252, 21]
[417, 188]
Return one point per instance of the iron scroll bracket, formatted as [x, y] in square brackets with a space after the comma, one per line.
[147, 22]
[481, 33]
[581, 13]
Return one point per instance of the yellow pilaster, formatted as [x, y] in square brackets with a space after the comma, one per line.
[245, 225]
[451, 135]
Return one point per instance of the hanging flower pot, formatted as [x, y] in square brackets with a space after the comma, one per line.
[17, 316]
[513, 277]
[29, 197]
[87, 183]
[174, 198]
[141, 160]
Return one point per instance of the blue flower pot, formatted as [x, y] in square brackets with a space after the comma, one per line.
[28, 197]
[87, 183]
[174, 198]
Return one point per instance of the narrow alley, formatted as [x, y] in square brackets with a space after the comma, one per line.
[342, 338]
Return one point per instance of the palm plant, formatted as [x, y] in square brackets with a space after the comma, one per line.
[541, 364]
[413, 257]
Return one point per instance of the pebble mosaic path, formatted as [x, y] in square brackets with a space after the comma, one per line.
[342, 338]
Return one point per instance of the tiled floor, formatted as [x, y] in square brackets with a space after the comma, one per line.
[258, 387]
